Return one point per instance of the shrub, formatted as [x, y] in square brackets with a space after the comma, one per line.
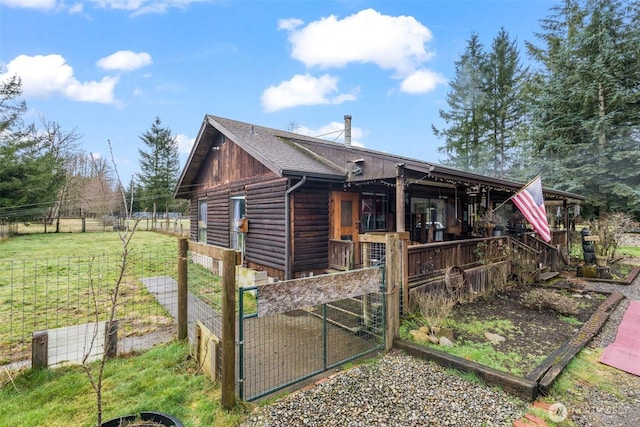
[542, 299]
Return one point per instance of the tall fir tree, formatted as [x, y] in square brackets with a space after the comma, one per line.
[586, 121]
[466, 117]
[487, 113]
[159, 168]
[506, 107]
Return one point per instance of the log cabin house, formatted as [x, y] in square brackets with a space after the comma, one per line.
[295, 205]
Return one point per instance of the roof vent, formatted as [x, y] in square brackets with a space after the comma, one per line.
[347, 130]
[253, 131]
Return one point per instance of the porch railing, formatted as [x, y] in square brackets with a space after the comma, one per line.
[341, 254]
[548, 253]
[431, 259]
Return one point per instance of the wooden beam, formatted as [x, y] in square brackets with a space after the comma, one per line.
[228, 386]
[182, 289]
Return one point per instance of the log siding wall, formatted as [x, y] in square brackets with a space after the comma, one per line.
[265, 212]
[310, 228]
[218, 218]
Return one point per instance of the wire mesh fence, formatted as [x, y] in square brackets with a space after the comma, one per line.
[174, 225]
[280, 349]
[66, 296]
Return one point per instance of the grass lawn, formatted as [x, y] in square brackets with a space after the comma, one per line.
[163, 379]
[50, 281]
[57, 245]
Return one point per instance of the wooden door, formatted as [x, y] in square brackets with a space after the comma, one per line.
[345, 216]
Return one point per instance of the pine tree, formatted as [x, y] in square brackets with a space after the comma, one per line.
[487, 114]
[159, 168]
[506, 106]
[466, 117]
[586, 122]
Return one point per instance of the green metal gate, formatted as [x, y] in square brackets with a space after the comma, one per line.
[292, 341]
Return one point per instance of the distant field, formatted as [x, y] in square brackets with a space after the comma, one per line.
[56, 245]
[75, 225]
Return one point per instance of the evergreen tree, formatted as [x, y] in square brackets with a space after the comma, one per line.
[466, 118]
[487, 114]
[159, 168]
[586, 119]
[30, 165]
[506, 108]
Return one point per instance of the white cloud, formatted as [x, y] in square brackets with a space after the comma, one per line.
[76, 8]
[333, 131]
[137, 7]
[185, 143]
[289, 24]
[391, 42]
[422, 81]
[29, 4]
[125, 60]
[304, 90]
[43, 76]
[140, 7]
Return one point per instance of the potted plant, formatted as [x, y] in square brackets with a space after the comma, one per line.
[491, 222]
[144, 419]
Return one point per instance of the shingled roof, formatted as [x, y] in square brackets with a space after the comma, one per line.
[289, 154]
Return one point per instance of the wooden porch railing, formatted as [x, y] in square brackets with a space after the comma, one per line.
[431, 259]
[341, 254]
[548, 253]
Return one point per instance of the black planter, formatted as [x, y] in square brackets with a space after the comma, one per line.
[157, 417]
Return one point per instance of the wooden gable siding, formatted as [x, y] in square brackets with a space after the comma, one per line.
[310, 228]
[265, 212]
[229, 165]
[218, 218]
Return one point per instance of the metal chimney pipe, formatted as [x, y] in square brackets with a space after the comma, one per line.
[347, 130]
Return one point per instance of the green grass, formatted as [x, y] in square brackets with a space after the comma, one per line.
[163, 379]
[570, 320]
[61, 245]
[50, 280]
[633, 251]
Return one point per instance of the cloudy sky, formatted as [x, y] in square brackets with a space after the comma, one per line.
[107, 68]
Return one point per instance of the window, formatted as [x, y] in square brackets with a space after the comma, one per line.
[373, 213]
[202, 221]
[236, 217]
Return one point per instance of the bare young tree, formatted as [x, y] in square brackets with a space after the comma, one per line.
[96, 374]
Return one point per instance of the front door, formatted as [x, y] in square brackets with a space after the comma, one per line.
[345, 216]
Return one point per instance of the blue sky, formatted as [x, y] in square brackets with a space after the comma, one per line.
[107, 68]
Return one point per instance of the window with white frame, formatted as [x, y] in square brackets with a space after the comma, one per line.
[202, 220]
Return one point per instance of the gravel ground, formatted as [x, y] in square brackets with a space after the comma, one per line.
[398, 390]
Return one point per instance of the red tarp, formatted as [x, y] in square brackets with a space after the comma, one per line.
[624, 352]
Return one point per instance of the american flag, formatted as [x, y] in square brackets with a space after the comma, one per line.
[531, 203]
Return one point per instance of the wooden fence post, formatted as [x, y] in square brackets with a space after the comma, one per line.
[40, 349]
[396, 275]
[182, 289]
[228, 386]
[393, 275]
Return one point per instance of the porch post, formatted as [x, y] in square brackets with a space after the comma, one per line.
[400, 228]
[400, 181]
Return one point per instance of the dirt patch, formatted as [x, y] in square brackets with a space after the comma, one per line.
[530, 334]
